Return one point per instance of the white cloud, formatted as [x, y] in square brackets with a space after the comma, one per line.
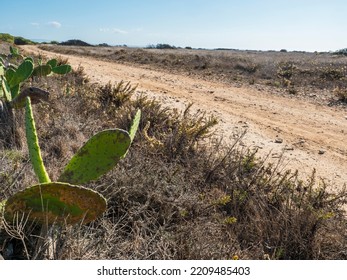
[116, 30]
[113, 30]
[35, 24]
[54, 24]
[104, 30]
[139, 29]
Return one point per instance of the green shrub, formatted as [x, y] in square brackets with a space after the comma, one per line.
[6, 38]
[75, 42]
[22, 41]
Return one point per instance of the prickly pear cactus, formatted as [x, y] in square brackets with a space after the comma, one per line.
[98, 155]
[33, 144]
[51, 67]
[55, 202]
[17, 76]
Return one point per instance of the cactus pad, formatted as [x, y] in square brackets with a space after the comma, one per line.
[62, 69]
[42, 70]
[6, 89]
[97, 156]
[135, 125]
[22, 73]
[55, 202]
[53, 62]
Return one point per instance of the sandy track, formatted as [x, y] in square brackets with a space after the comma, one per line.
[313, 136]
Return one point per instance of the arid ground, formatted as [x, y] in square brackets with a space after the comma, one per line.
[306, 127]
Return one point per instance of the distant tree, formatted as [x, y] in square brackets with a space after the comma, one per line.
[151, 46]
[341, 52]
[75, 42]
[104, 45]
[165, 46]
[22, 41]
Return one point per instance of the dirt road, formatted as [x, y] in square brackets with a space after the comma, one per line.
[309, 135]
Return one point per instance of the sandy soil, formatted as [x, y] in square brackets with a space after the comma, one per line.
[307, 135]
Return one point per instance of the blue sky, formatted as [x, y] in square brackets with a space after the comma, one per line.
[241, 24]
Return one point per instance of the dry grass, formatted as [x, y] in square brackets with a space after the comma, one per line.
[179, 194]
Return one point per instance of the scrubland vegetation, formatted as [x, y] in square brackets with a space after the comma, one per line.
[319, 77]
[180, 193]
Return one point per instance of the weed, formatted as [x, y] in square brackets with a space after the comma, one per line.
[331, 74]
[286, 70]
[247, 67]
[114, 96]
[341, 93]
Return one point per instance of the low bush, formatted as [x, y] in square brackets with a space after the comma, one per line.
[341, 94]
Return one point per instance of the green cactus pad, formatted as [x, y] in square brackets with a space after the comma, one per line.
[98, 155]
[22, 73]
[135, 125]
[55, 202]
[29, 59]
[6, 90]
[62, 69]
[42, 70]
[53, 62]
[33, 144]
[9, 74]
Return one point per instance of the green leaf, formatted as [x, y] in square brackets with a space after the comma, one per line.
[97, 156]
[62, 69]
[42, 70]
[55, 202]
